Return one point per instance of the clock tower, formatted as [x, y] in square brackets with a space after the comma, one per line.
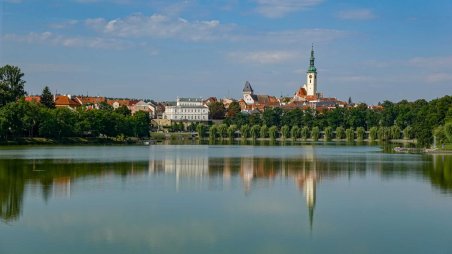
[311, 76]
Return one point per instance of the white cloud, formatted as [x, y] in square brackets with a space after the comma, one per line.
[160, 26]
[439, 77]
[280, 8]
[64, 24]
[264, 57]
[67, 41]
[358, 14]
[431, 62]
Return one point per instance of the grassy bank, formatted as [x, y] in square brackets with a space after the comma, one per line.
[69, 141]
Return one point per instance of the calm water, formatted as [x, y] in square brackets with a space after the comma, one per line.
[223, 199]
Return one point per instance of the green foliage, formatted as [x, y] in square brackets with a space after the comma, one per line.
[448, 131]
[384, 133]
[231, 131]
[272, 132]
[315, 133]
[340, 132]
[47, 98]
[201, 130]
[395, 132]
[295, 132]
[328, 133]
[244, 131]
[285, 131]
[11, 84]
[123, 110]
[360, 132]
[408, 132]
[440, 135]
[305, 132]
[272, 116]
[213, 132]
[217, 110]
[373, 133]
[222, 130]
[254, 131]
[233, 109]
[350, 135]
[263, 131]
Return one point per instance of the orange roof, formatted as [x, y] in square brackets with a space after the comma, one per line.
[301, 92]
[63, 100]
[90, 100]
[120, 102]
[34, 98]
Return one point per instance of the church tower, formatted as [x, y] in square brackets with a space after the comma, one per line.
[311, 76]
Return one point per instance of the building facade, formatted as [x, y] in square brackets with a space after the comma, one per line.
[187, 109]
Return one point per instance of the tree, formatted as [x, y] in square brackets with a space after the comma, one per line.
[123, 110]
[350, 134]
[201, 130]
[213, 132]
[340, 133]
[272, 131]
[222, 130]
[360, 132]
[328, 131]
[448, 131]
[254, 131]
[11, 84]
[285, 131]
[395, 132]
[373, 133]
[408, 132]
[47, 98]
[140, 124]
[315, 133]
[244, 131]
[217, 110]
[231, 131]
[263, 131]
[294, 132]
[305, 133]
[233, 109]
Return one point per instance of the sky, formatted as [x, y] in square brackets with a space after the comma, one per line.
[368, 50]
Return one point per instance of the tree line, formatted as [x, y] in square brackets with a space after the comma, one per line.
[411, 120]
[20, 118]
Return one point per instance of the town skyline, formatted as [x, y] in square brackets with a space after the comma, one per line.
[126, 49]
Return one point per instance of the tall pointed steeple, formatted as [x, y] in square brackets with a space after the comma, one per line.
[312, 68]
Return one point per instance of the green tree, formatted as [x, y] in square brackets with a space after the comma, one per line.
[285, 131]
[213, 132]
[328, 133]
[340, 133]
[360, 132]
[350, 134]
[123, 110]
[295, 132]
[244, 131]
[217, 110]
[233, 109]
[272, 116]
[395, 132]
[440, 134]
[272, 132]
[408, 132]
[222, 130]
[305, 133]
[11, 84]
[448, 131]
[373, 133]
[231, 131]
[201, 130]
[264, 131]
[315, 133]
[140, 124]
[254, 131]
[47, 98]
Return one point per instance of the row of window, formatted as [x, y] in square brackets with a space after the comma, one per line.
[184, 117]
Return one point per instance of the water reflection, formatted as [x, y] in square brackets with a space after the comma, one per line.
[220, 169]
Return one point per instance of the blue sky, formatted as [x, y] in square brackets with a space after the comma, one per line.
[368, 50]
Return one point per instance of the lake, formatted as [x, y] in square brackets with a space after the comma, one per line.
[322, 198]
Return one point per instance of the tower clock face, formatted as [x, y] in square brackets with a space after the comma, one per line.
[310, 76]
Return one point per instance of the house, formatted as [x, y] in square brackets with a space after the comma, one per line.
[66, 101]
[33, 98]
[90, 102]
[253, 101]
[148, 107]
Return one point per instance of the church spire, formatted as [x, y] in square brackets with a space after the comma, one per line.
[311, 61]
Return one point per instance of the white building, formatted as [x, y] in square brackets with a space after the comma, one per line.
[187, 109]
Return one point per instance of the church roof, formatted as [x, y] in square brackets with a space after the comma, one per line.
[248, 87]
